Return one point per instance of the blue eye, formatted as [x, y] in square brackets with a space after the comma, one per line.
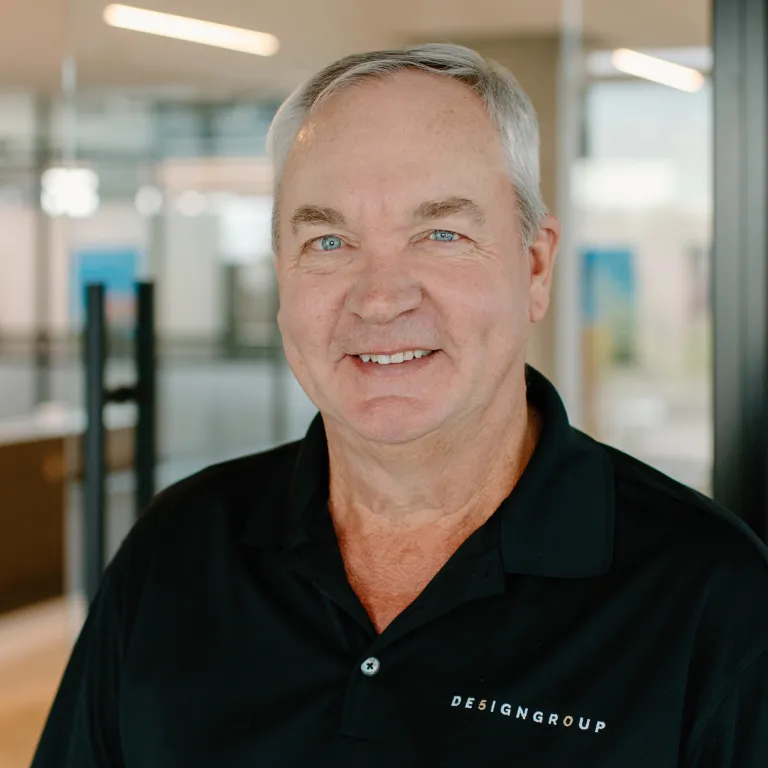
[443, 236]
[330, 243]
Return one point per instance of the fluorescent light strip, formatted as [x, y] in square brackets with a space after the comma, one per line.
[192, 30]
[657, 70]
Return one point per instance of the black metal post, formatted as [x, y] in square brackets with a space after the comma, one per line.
[146, 397]
[740, 260]
[95, 460]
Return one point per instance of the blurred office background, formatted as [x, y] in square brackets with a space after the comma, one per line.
[127, 156]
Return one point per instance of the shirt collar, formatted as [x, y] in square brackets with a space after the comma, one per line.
[557, 522]
[559, 519]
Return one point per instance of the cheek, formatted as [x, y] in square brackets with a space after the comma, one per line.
[489, 305]
[306, 316]
[515, 293]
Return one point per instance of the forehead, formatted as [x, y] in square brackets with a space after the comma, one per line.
[413, 133]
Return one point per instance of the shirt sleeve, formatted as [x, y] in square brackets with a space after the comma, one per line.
[82, 726]
[736, 734]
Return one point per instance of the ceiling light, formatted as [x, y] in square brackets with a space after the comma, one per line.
[192, 30]
[70, 192]
[657, 70]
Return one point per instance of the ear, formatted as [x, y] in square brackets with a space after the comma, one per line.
[541, 261]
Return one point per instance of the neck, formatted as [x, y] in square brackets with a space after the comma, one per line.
[441, 483]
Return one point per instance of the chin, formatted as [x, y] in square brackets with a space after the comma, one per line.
[392, 421]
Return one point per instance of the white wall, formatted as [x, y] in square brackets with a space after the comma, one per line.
[17, 244]
[190, 278]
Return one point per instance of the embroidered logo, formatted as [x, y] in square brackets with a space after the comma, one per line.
[539, 717]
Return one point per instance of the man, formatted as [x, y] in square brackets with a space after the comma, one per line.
[443, 572]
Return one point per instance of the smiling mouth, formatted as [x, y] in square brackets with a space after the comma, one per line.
[396, 358]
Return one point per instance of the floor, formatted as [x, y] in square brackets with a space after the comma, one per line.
[34, 646]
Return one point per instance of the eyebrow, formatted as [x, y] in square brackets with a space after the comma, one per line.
[307, 215]
[314, 214]
[438, 209]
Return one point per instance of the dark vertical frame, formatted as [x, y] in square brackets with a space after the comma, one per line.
[740, 261]
[94, 532]
[145, 450]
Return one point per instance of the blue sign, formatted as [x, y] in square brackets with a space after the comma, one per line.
[117, 269]
[609, 296]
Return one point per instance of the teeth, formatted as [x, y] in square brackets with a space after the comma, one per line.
[398, 357]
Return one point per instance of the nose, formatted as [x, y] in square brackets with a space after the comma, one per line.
[383, 289]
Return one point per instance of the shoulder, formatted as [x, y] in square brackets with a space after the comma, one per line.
[697, 564]
[230, 488]
[207, 509]
[705, 559]
[656, 508]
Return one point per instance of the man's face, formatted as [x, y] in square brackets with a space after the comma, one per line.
[398, 232]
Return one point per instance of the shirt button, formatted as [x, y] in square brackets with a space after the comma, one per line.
[371, 666]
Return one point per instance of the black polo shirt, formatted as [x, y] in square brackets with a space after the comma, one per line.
[605, 616]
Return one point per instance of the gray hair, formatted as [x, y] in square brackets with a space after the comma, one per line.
[508, 106]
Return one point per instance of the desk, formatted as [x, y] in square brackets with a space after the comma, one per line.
[39, 456]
